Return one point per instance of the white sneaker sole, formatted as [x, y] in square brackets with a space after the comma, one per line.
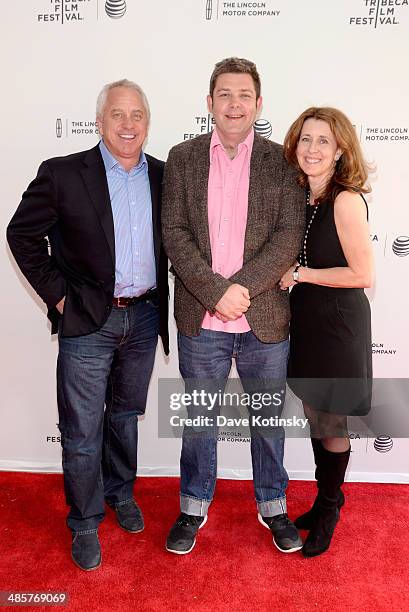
[186, 552]
[290, 550]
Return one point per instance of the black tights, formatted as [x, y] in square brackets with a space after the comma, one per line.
[331, 429]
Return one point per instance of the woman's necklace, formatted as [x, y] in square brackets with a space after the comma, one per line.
[308, 228]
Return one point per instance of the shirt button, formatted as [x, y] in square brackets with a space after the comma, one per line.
[134, 227]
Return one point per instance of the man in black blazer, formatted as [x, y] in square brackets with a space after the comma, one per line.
[104, 281]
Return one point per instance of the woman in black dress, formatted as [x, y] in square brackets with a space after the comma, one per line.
[330, 365]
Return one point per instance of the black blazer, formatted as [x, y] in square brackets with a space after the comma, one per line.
[69, 203]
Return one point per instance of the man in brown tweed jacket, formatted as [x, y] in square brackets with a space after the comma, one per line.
[233, 219]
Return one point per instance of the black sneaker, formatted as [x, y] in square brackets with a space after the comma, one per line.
[182, 536]
[285, 534]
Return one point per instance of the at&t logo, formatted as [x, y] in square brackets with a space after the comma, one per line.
[383, 444]
[400, 246]
[263, 127]
[115, 8]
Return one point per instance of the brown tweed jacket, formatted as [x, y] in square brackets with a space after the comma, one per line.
[275, 226]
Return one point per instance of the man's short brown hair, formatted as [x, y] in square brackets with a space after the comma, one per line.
[236, 65]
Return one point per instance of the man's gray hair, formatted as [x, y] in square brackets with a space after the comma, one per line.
[102, 97]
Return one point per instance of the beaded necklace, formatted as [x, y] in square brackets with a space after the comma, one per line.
[304, 249]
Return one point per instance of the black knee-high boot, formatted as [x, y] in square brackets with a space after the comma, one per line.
[306, 520]
[331, 473]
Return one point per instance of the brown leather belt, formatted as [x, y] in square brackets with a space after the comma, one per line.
[124, 302]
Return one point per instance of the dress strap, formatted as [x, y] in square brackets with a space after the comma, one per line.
[366, 206]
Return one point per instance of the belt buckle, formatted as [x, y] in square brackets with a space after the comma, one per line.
[119, 302]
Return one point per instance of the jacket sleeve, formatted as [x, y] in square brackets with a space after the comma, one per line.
[265, 269]
[179, 241]
[26, 234]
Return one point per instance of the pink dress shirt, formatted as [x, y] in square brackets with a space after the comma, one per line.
[227, 202]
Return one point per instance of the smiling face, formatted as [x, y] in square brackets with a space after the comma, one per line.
[317, 151]
[123, 125]
[234, 106]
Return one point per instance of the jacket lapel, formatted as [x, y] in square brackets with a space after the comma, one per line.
[96, 183]
[155, 182]
[255, 187]
[200, 167]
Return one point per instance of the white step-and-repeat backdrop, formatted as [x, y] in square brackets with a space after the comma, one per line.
[57, 54]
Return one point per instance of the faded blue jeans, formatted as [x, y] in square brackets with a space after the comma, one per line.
[110, 367]
[205, 362]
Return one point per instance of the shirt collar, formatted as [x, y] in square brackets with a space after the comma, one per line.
[216, 142]
[111, 162]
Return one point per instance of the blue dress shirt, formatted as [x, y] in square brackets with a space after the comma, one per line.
[135, 270]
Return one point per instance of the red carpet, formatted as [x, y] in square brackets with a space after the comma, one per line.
[234, 565]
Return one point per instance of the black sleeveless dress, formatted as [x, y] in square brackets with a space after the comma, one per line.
[330, 363]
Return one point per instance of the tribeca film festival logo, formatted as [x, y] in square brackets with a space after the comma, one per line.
[54, 438]
[66, 11]
[399, 245]
[217, 9]
[380, 13]
[205, 124]
[67, 127]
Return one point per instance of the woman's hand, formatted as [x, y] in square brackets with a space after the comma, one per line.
[287, 278]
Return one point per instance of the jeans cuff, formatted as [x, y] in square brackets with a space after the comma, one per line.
[194, 506]
[272, 507]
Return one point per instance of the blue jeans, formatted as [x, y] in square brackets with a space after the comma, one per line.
[110, 367]
[205, 361]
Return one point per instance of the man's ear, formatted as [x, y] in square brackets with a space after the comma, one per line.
[259, 105]
[209, 103]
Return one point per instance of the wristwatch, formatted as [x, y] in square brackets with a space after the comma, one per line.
[295, 273]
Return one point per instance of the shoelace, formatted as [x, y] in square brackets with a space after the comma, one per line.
[186, 520]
